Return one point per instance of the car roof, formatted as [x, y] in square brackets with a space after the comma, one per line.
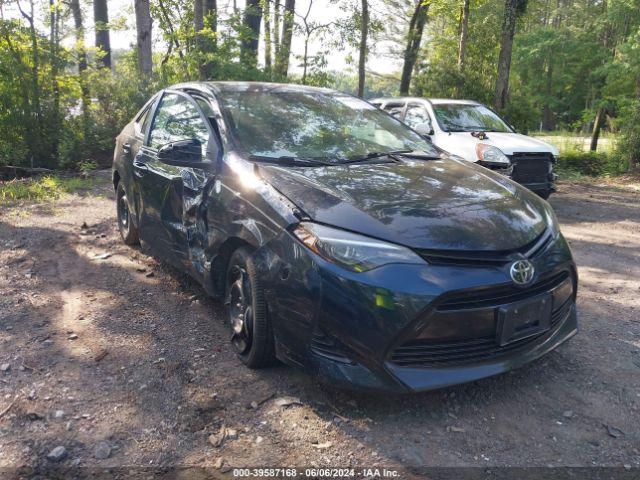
[434, 101]
[228, 87]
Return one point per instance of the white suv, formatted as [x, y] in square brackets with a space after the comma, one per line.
[477, 134]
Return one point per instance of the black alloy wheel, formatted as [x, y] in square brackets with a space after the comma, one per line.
[128, 230]
[251, 334]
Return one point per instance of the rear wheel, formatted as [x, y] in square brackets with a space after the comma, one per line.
[128, 230]
[251, 333]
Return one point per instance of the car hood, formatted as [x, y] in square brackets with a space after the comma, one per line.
[508, 143]
[431, 204]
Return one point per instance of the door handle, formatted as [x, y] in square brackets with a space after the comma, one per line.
[126, 147]
[139, 168]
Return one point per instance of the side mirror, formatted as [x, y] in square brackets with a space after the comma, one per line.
[424, 128]
[183, 153]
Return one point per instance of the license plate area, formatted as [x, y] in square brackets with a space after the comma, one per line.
[524, 319]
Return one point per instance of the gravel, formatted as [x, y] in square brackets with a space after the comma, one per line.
[136, 324]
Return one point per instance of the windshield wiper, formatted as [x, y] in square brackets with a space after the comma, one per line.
[391, 154]
[454, 127]
[289, 161]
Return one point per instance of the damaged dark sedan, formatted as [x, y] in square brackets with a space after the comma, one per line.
[340, 240]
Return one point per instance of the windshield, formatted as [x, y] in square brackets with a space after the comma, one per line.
[457, 117]
[314, 125]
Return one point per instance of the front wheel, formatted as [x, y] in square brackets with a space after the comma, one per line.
[128, 230]
[251, 333]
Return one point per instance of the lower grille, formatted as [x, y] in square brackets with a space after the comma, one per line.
[429, 353]
[325, 346]
[531, 167]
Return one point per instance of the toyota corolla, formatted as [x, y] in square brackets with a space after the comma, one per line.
[341, 241]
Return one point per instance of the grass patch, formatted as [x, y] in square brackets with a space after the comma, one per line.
[41, 189]
[571, 142]
[575, 164]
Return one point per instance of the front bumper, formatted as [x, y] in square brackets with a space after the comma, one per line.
[420, 379]
[345, 327]
[532, 170]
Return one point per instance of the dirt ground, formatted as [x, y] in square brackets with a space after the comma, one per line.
[124, 362]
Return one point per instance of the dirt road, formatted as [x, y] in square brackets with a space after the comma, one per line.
[123, 362]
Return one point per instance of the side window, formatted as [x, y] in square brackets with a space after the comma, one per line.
[416, 114]
[177, 119]
[394, 108]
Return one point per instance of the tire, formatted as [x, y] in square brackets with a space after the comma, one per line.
[128, 231]
[252, 335]
[545, 194]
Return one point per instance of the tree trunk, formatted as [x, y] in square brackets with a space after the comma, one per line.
[305, 56]
[548, 121]
[282, 62]
[82, 67]
[362, 60]
[103, 42]
[76, 11]
[414, 37]
[249, 41]
[464, 33]
[209, 45]
[266, 13]
[276, 29]
[634, 156]
[198, 17]
[54, 46]
[198, 25]
[34, 131]
[143, 28]
[504, 60]
[210, 11]
[597, 126]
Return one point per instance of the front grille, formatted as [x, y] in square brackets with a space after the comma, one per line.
[462, 327]
[483, 258]
[429, 353]
[531, 167]
[325, 346]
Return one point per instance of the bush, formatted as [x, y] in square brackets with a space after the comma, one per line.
[41, 189]
[573, 162]
[629, 146]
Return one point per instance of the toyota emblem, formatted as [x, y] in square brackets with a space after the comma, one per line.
[522, 272]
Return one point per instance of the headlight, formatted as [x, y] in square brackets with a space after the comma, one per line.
[351, 251]
[491, 154]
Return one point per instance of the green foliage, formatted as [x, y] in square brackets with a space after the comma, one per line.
[87, 167]
[574, 163]
[42, 189]
[570, 59]
[629, 144]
